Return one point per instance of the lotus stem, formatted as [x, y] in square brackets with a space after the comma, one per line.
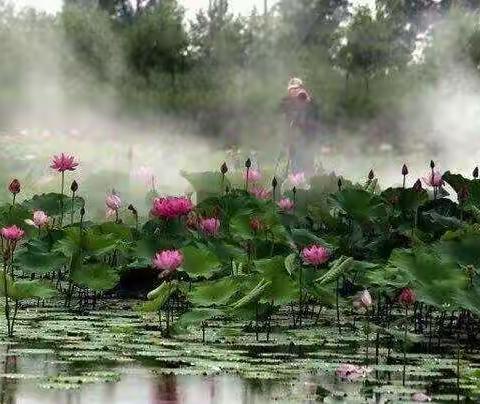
[337, 304]
[405, 346]
[72, 210]
[61, 198]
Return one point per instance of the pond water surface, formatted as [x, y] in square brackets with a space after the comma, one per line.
[118, 356]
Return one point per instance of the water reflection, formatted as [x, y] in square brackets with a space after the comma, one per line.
[138, 385]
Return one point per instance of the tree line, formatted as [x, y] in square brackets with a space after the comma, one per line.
[228, 72]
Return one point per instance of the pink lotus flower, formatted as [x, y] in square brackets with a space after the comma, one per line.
[210, 226]
[434, 179]
[12, 233]
[253, 175]
[351, 373]
[171, 207]
[285, 204]
[168, 261]
[362, 300]
[421, 397]
[315, 255]
[113, 202]
[40, 219]
[261, 193]
[182, 205]
[63, 163]
[407, 297]
[297, 180]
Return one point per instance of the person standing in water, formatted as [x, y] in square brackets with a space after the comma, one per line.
[301, 115]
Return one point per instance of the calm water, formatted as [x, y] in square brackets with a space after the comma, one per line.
[114, 356]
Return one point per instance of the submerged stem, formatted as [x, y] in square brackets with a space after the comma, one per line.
[405, 346]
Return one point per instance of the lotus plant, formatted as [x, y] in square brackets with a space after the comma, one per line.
[297, 180]
[261, 193]
[14, 189]
[113, 203]
[167, 261]
[285, 205]
[62, 163]
[40, 219]
[314, 255]
[363, 301]
[10, 236]
[209, 226]
[171, 207]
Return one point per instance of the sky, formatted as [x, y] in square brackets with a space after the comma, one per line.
[238, 6]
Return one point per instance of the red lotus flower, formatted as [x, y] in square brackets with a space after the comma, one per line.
[256, 224]
[407, 297]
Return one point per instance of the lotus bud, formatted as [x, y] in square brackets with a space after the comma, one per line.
[432, 164]
[14, 187]
[74, 186]
[340, 184]
[407, 297]
[274, 182]
[475, 173]
[404, 170]
[132, 209]
[224, 168]
[371, 175]
[248, 163]
[417, 187]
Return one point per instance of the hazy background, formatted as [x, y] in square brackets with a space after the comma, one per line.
[169, 86]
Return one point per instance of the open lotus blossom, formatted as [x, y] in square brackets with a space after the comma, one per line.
[168, 261]
[285, 204]
[421, 397]
[209, 226]
[261, 193]
[362, 300]
[12, 233]
[39, 220]
[315, 255]
[171, 207]
[407, 297]
[253, 175]
[297, 180]
[64, 162]
[350, 372]
[434, 179]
